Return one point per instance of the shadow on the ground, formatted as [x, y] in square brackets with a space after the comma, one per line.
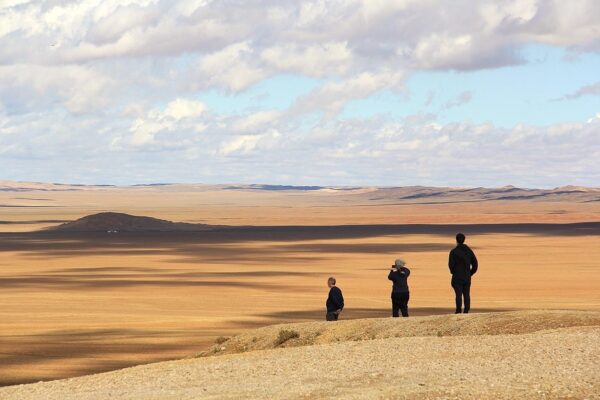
[121, 277]
[90, 351]
[231, 246]
[83, 352]
[355, 313]
[234, 244]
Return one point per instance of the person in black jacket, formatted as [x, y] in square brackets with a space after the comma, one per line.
[463, 265]
[400, 294]
[335, 301]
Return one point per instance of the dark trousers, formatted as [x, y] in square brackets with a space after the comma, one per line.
[400, 303]
[331, 316]
[462, 289]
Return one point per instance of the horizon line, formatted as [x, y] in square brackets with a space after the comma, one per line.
[294, 186]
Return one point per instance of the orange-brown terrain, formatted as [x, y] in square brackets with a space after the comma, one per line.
[80, 300]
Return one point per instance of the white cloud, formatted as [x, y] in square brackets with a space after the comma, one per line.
[439, 49]
[514, 11]
[594, 119]
[178, 115]
[27, 88]
[183, 46]
[587, 90]
[461, 99]
[270, 148]
[255, 122]
[246, 144]
[183, 108]
[122, 77]
[232, 67]
[316, 60]
[331, 97]
[351, 34]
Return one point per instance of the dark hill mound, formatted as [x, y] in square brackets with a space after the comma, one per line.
[120, 222]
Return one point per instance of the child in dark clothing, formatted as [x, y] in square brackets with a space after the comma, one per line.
[335, 301]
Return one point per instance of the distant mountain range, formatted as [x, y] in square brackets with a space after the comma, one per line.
[407, 194]
[423, 195]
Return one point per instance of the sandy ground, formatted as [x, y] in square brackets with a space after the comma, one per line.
[27, 211]
[482, 324]
[549, 364]
[75, 304]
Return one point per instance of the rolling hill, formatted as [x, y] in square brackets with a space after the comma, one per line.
[120, 222]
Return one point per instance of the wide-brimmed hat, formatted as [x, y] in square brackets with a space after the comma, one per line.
[399, 263]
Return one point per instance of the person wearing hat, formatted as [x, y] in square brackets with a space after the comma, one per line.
[400, 294]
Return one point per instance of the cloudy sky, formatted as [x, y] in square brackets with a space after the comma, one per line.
[341, 92]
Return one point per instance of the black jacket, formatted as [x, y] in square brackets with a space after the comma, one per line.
[399, 278]
[335, 300]
[462, 263]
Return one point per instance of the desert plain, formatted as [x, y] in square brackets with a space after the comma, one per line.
[74, 303]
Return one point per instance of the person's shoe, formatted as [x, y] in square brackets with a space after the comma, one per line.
[457, 312]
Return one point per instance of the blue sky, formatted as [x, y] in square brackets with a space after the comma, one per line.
[526, 93]
[301, 92]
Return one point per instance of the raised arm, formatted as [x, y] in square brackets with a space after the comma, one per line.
[405, 271]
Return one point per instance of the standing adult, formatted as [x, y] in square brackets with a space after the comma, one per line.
[335, 301]
[400, 293]
[463, 265]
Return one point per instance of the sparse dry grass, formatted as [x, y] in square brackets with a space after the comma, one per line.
[317, 333]
[285, 335]
[221, 339]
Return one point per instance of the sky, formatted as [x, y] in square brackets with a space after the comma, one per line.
[341, 92]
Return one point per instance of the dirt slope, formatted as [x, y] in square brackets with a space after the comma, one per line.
[498, 323]
[502, 356]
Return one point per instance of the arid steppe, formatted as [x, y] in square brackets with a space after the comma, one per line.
[75, 303]
[500, 355]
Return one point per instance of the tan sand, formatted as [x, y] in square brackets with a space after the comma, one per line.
[76, 304]
[549, 364]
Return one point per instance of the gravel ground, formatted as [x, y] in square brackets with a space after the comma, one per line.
[497, 323]
[560, 363]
